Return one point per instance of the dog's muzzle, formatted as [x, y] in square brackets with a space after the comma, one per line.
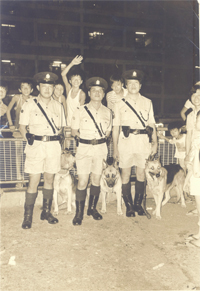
[110, 183]
[154, 174]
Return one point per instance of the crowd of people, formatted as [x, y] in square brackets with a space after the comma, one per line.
[128, 118]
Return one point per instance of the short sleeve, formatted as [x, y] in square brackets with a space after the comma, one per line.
[188, 104]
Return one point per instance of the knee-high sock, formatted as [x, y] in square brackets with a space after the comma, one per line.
[80, 194]
[30, 198]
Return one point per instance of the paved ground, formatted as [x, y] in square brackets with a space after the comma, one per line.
[117, 253]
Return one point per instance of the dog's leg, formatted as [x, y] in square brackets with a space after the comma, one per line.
[55, 199]
[158, 207]
[69, 200]
[180, 195]
[103, 197]
[156, 201]
[119, 202]
[167, 196]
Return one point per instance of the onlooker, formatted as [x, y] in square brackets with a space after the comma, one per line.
[178, 139]
[73, 81]
[118, 91]
[18, 100]
[188, 106]
[194, 169]
[3, 110]
[192, 134]
[45, 118]
[91, 125]
[3, 107]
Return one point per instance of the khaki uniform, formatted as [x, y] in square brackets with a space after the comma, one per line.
[42, 156]
[134, 149]
[89, 157]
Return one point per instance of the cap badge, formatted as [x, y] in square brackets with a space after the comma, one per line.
[47, 78]
[97, 82]
[134, 74]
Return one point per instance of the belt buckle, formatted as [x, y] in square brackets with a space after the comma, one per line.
[137, 131]
[44, 138]
[94, 141]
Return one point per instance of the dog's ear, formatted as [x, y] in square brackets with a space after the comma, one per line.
[104, 164]
[73, 154]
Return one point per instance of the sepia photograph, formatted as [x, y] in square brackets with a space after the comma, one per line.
[99, 145]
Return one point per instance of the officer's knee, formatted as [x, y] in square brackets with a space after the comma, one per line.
[126, 173]
[140, 174]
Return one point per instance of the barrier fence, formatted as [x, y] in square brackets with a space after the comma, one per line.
[12, 158]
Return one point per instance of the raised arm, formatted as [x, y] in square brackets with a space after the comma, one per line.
[76, 61]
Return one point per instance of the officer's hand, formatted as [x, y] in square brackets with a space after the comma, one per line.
[12, 127]
[77, 60]
[116, 154]
[154, 149]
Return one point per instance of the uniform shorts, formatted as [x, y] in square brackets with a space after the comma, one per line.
[138, 160]
[42, 157]
[133, 151]
[89, 159]
[194, 186]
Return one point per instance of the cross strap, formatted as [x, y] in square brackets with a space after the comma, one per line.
[129, 105]
[45, 115]
[92, 117]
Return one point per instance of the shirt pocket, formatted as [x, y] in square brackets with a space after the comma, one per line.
[36, 117]
[86, 124]
[125, 114]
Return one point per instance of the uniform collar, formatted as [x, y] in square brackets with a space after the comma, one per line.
[39, 99]
[91, 107]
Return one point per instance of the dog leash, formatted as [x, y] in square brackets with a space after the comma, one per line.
[148, 215]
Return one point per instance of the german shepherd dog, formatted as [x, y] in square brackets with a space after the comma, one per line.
[161, 180]
[65, 183]
[111, 183]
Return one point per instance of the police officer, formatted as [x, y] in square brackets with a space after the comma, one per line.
[91, 125]
[45, 118]
[136, 141]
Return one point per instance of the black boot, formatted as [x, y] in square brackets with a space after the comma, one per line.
[28, 214]
[129, 205]
[79, 212]
[139, 194]
[138, 204]
[92, 207]
[46, 214]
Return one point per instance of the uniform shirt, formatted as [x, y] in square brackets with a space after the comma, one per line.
[124, 116]
[82, 121]
[18, 107]
[112, 98]
[32, 116]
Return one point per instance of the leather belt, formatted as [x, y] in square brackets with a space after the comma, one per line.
[92, 141]
[138, 131]
[47, 137]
